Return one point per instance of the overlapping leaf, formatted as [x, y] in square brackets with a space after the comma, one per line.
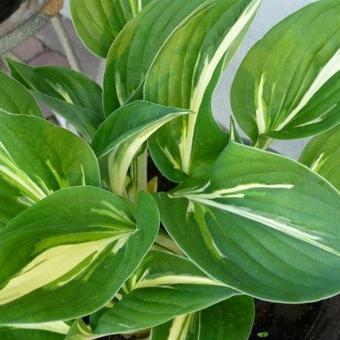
[69, 93]
[263, 224]
[123, 133]
[288, 84]
[98, 22]
[164, 286]
[135, 49]
[230, 319]
[9, 90]
[322, 155]
[77, 248]
[191, 57]
[38, 158]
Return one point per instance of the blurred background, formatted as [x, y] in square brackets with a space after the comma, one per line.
[51, 40]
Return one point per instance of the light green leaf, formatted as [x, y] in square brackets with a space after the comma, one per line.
[135, 49]
[9, 100]
[287, 86]
[69, 93]
[263, 224]
[207, 36]
[124, 132]
[38, 158]
[77, 247]
[98, 22]
[164, 286]
[43, 331]
[231, 319]
[322, 155]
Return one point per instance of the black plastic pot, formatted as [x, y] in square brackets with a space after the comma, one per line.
[8, 7]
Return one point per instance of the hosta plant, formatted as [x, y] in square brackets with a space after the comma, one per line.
[148, 219]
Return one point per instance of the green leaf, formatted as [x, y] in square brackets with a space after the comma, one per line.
[38, 158]
[124, 132]
[98, 22]
[230, 319]
[77, 247]
[69, 93]
[207, 36]
[322, 155]
[264, 225]
[287, 86]
[164, 286]
[136, 47]
[9, 101]
[44, 331]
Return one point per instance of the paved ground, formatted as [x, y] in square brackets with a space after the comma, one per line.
[45, 49]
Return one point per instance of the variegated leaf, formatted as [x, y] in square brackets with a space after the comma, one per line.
[164, 286]
[263, 224]
[135, 49]
[231, 319]
[9, 101]
[98, 22]
[210, 37]
[322, 155]
[287, 86]
[38, 158]
[77, 247]
[124, 132]
[69, 93]
[37, 331]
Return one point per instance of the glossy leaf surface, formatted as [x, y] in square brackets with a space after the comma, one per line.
[287, 86]
[38, 158]
[263, 224]
[164, 286]
[230, 319]
[77, 247]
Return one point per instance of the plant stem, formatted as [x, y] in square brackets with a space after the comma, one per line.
[139, 175]
[263, 142]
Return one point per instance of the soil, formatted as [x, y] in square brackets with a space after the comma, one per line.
[277, 321]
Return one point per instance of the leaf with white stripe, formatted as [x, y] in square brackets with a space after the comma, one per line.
[124, 132]
[263, 224]
[38, 331]
[288, 84]
[231, 319]
[68, 93]
[136, 47]
[9, 90]
[322, 155]
[191, 57]
[77, 248]
[164, 286]
[36, 159]
[98, 22]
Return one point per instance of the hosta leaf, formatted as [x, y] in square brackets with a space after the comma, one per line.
[77, 247]
[98, 22]
[322, 155]
[44, 331]
[230, 319]
[206, 37]
[164, 286]
[288, 84]
[9, 101]
[69, 93]
[136, 47]
[38, 158]
[124, 132]
[263, 224]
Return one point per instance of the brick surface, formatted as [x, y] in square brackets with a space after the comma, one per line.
[50, 58]
[29, 49]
